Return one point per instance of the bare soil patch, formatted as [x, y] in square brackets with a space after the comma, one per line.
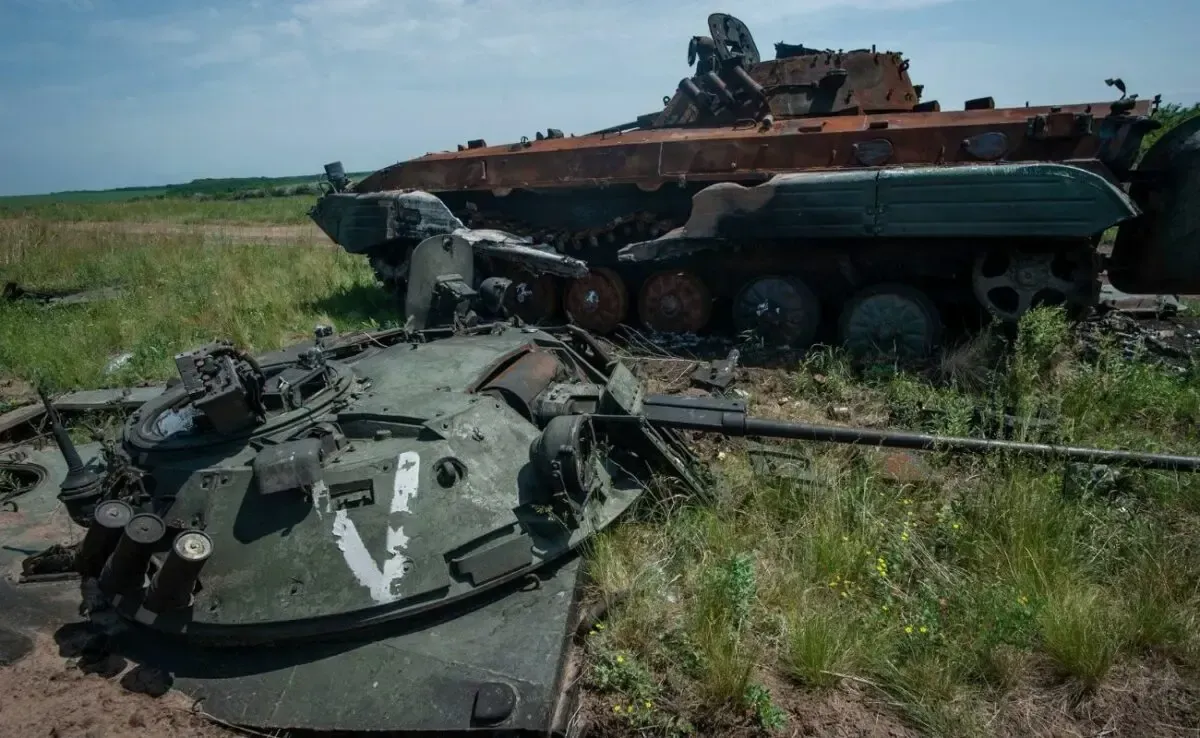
[1151, 698]
[46, 695]
[16, 392]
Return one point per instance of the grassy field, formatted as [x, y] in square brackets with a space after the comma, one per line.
[176, 292]
[261, 211]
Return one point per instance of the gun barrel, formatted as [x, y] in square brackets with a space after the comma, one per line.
[729, 418]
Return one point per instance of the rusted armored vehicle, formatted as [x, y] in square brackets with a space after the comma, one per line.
[814, 191]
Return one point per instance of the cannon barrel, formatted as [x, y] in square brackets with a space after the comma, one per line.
[729, 418]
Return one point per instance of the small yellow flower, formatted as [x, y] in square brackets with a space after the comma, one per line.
[908, 629]
[955, 526]
[620, 659]
[592, 632]
[924, 629]
[599, 626]
[885, 608]
[907, 501]
[649, 704]
[617, 708]
[904, 536]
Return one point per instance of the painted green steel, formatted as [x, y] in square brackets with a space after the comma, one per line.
[1017, 200]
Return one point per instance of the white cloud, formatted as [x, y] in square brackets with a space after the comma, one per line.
[290, 27]
[144, 31]
[240, 46]
[326, 9]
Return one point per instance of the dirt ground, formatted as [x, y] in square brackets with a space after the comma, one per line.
[16, 392]
[48, 695]
[1149, 699]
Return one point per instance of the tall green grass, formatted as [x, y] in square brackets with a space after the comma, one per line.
[177, 292]
[260, 211]
[947, 594]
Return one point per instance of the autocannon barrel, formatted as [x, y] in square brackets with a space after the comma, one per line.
[729, 418]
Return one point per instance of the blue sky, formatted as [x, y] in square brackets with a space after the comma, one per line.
[107, 93]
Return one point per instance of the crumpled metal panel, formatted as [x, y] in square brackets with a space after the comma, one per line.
[1115, 299]
[360, 222]
[538, 259]
[357, 222]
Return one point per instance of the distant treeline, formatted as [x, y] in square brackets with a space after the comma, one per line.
[241, 188]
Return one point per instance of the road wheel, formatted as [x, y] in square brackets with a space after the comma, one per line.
[675, 301]
[892, 321]
[783, 310]
[597, 302]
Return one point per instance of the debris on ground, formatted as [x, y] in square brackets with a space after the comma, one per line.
[716, 375]
[14, 292]
[118, 362]
[83, 401]
[1156, 305]
[1170, 342]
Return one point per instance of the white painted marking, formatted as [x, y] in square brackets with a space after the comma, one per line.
[396, 540]
[355, 552]
[381, 581]
[404, 486]
[320, 492]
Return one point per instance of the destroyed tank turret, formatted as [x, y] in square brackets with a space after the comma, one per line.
[816, 190]
[367, 533]
[397, 516]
